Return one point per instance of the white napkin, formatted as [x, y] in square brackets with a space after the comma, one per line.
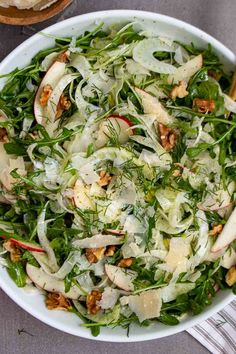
[218, 333]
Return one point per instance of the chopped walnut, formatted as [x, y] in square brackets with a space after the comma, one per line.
[176, 173]
[105, 179]
[56, 301]
[3, 135]
[179, 90]
[93, 255]
[46, 93]
[63, 105]
[15, 253]
[125, 262]
[92, 302]
[110, 250]
[216, 230]
[204, 105]
[63, 57]
[168, 137]
[214, 74]
[231, 276]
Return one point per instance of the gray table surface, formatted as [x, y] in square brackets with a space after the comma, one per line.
[217, 17]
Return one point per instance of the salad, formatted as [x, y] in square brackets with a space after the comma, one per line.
[117, 177]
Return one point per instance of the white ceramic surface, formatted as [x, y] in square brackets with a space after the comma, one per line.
[20, 57]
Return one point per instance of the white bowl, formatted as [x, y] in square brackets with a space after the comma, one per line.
[20, 57]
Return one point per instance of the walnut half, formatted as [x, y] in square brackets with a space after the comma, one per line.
[15, 253]
[179, 90]
[216, 230]
[231, 276]
[3, 135]
[63, 57]
[110, 251]
[56, 301]
[46, 93]
[168, 137]
[92, 302]
[93, 255]
[125, 262]
[63, 105]
[105, 179]
[204, 105]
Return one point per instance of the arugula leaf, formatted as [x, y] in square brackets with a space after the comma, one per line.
[17, 273]
[168, 319]
[15, 149]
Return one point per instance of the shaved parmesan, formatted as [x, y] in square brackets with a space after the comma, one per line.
[81, 196]
[146, 305]
[133, 226]
[176, 258]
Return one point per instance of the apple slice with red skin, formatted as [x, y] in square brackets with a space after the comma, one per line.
[52, 76]
[122, 278]
[47, 282]
[115, 232]
[121, 126]
[29, 246]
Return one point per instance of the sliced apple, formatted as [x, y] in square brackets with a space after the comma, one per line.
[227, 235]
[122, 278]
[229, 258]
[117, 126]
[220, 201]
[186, 71]
[98, 240]
[51, 108]
[51, 284]
[30, 246]
[151, 105]
[8, 164]
[52, 77]
[115, 232]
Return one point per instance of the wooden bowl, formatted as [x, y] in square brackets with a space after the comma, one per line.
[14, 16]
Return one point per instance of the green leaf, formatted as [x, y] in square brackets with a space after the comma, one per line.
[17, 273]
[195, 151]
[168, 319]
[15, 149]
[68, 282]
[208, 90]
[95, 330]
[27, 256]
[90, 150]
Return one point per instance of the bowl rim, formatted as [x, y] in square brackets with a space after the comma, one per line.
[122, 14]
